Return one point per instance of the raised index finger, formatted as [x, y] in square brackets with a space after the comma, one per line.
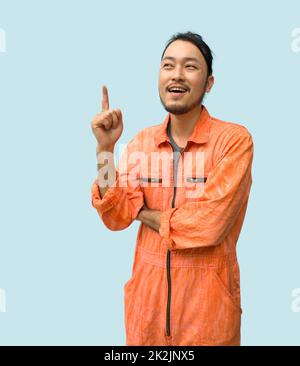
[105, 101]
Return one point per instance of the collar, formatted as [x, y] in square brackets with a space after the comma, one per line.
[200, 133]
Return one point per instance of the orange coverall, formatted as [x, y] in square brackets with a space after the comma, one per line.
[185, 283]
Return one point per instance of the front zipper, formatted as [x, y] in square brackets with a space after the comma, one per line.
[193, 180]
[168, 326]
[169, 275]
[169, 292]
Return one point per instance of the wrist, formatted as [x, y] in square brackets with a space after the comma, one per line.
[102, 149]
[140, 213]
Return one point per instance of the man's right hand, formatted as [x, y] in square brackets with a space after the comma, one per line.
[107, 126]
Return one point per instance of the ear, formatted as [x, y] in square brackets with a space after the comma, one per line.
[209, 83]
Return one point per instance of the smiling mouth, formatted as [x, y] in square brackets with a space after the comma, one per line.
[177, 93]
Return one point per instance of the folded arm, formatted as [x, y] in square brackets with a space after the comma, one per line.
[207, 221]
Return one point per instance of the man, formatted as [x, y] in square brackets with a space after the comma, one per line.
[185, 284]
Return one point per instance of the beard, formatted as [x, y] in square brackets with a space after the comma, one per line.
[182, 108]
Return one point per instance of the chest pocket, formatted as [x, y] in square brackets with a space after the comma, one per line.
[153, 191]
[196, 179]
[150, 180]
[194, 187]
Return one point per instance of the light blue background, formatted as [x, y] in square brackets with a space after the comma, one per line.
[63, 272]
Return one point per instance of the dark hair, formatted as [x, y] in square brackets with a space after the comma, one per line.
[197, 40]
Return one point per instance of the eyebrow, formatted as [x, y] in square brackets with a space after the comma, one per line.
[184, 58]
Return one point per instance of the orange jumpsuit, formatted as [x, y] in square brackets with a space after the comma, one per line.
[185, 283]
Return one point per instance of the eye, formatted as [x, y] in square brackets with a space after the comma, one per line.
[194, 67]
[167, 65]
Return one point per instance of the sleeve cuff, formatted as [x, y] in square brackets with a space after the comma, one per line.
[109, 200]
[164, 228]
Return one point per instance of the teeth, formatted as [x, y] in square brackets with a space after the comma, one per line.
[177, 89]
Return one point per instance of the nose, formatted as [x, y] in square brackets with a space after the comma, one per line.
[178, 73]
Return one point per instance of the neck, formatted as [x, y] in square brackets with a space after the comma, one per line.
[182, 125]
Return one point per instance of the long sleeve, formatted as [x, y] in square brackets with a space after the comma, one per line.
[121, 203]
[208, 220]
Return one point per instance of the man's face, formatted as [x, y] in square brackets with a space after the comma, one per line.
[183, 65]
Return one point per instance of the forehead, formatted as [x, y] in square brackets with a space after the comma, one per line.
[180, 50]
